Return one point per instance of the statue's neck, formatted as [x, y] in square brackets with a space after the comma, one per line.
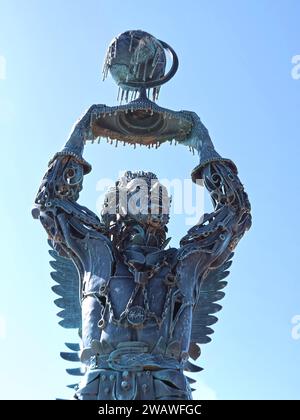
[140, 236]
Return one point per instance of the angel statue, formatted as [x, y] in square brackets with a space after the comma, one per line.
[141, 308]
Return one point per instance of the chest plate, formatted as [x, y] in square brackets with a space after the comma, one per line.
[133, 304]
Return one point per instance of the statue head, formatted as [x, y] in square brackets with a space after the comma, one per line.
[137, 198]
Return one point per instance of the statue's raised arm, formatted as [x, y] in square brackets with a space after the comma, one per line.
[76, 236]
[207, 249]
[219, 232]
[56, 200]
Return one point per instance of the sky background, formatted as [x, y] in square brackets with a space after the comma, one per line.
[236, 73]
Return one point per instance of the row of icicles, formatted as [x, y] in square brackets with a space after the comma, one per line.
[96, 116]
[127, 95]
[151, 145]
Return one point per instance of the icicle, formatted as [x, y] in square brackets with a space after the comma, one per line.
[122, 96]
[104, 68]
[107, 62]
[106, 71]
[138, 50]
[115, 45]
[99, 138]
[132, 95]
[157, 92]
[193, 151]
[134, 146]
[136, 61]
[116, 145]
[93, 140]
[111, 141]
[149, 146]
[107, 67]
[124, 143]
[138, 71]
[119, 90]
[152, 71]
[134, 66]
[171, 142]
[107, 141]
[127, 93]
[153, 94]
[145, 71]
[131, 39]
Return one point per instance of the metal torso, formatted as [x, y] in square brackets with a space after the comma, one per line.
[143, 312]
[145, 328]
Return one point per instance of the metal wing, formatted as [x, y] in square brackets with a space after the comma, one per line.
[67, 288]
[203, 313]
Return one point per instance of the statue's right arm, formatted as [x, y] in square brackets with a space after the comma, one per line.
[56, 201]
[75, 231]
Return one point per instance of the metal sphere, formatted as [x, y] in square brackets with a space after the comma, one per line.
[135, 56]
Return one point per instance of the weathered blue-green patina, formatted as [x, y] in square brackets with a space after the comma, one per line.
[141, 309]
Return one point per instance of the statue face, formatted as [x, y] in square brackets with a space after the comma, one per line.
[139, 198]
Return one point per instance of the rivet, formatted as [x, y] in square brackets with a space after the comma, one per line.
[125, 385]
[101, 323]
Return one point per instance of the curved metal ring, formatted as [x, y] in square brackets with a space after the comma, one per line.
[155, 83]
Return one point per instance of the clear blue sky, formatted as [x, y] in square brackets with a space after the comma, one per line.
[235, 72]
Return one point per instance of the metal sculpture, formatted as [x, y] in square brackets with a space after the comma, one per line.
[141, 309]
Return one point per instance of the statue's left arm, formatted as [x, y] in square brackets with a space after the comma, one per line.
[214, 239]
